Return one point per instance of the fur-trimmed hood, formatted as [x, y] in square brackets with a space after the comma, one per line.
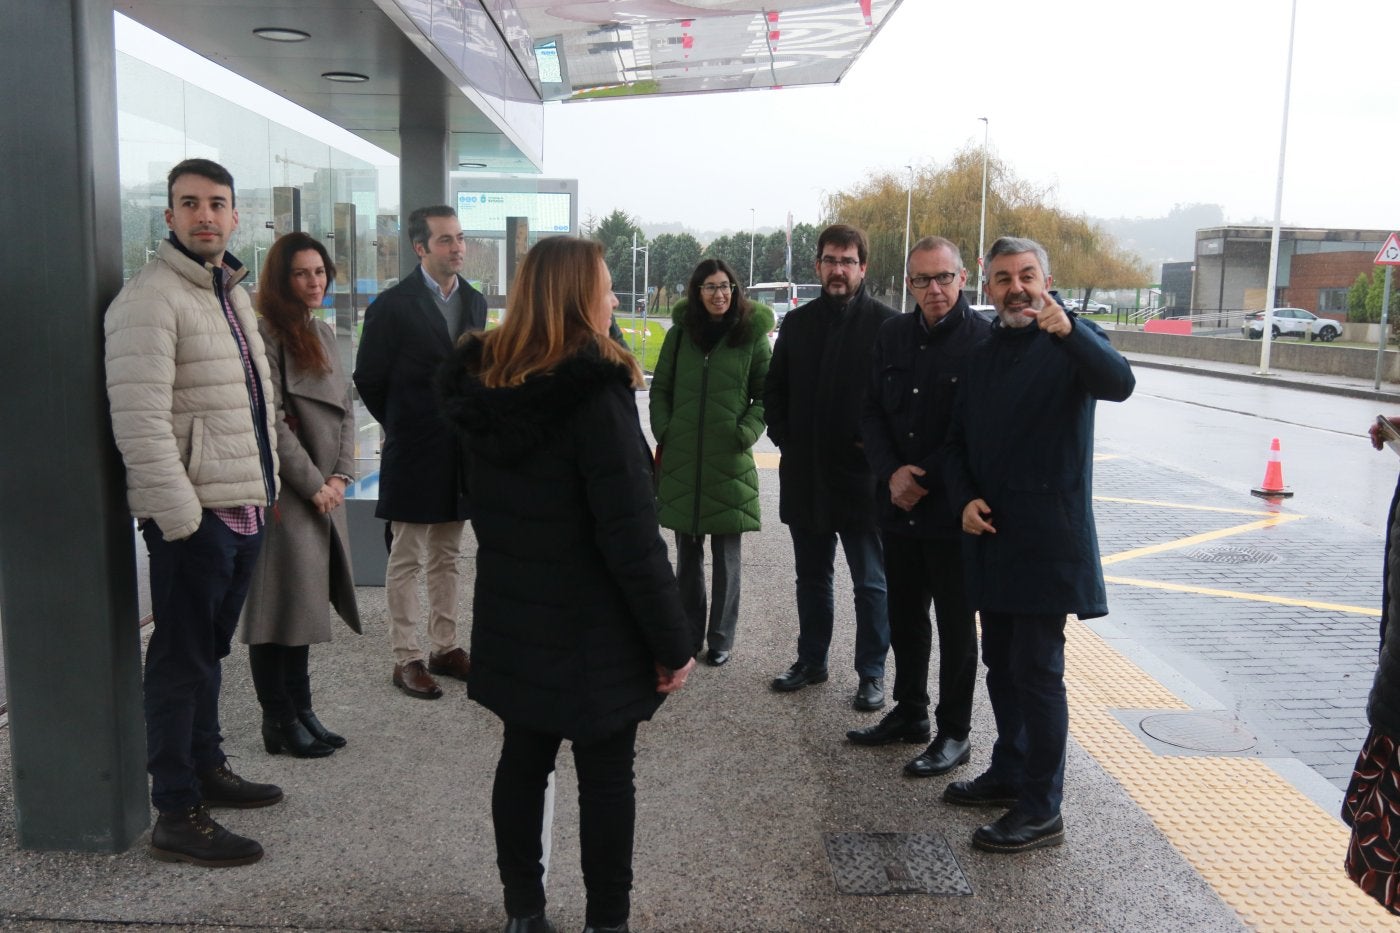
[505, 425]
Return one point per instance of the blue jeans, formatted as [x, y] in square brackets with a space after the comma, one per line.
[815, 557]
[197, 590]
[1025, 658]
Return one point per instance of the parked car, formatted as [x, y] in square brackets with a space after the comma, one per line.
[1294, 322]
[1097, 307]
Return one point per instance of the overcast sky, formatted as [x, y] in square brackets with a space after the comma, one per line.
[1126, 108]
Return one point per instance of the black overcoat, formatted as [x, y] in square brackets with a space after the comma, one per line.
[1383, 707]
[403, 345]
[908, 408]
[575, 601]
[812, 401]
[1022, 439]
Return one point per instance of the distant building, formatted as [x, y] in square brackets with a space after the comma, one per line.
[1176, 288]
[1315, 268]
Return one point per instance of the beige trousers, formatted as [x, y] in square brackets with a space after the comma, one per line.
[434, 548]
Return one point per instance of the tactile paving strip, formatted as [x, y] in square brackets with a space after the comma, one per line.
[894, 863]
[1270, 853]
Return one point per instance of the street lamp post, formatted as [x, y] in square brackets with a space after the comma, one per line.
[753, 226]
[1266, 338]
[646, 287]
[982, 227]
[908, 213]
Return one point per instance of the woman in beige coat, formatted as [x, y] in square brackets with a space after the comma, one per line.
[304, 567]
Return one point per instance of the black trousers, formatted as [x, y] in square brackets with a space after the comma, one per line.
[607, 815]
[281, 679]
[920, 572]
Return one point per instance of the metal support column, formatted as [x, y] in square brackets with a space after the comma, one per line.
[67, 563]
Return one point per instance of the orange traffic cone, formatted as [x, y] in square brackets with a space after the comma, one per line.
[1272, 487]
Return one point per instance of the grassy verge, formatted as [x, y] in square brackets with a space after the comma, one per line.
[655, 333]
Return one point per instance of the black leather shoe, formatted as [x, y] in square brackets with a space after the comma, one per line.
[896, 726]
[942, 756]
[318, 731]
[870, 695]
[715, 657]
[222, 788]
[537, 923]
[799, 676]
[191, 835]
[620, 928]
[1015, 832]
[980, 792]
[293, 738]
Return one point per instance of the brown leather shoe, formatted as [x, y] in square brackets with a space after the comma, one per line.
[413, 678]
[454, 663]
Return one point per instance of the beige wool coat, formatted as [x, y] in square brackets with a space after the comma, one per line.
[304, 567]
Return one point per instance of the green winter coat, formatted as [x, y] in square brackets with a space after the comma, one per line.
[707, 412]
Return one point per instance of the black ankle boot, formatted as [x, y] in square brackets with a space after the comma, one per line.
[190, 835]
[619, 928]
[318, 731]
[293, 738]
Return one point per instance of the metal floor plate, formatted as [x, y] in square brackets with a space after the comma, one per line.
[894, 863]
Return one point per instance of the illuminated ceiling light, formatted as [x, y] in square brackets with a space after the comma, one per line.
[345, 77]
[281, 34]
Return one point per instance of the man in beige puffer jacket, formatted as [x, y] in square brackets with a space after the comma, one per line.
[192, 414]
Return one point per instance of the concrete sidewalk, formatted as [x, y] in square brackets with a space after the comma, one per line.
[736, 787]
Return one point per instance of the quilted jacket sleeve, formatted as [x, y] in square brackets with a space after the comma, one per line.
[141, 337]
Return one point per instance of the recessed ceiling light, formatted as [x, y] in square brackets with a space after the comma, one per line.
[345, 77]
[471, 164]
[281, 34]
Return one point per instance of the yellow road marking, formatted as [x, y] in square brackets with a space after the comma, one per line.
[1189, 507]
[1237, 594]
[1270, 853]
[1199, 539]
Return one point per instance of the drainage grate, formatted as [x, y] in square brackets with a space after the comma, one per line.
[1232, 555]
[894, 863]
[1199, 732]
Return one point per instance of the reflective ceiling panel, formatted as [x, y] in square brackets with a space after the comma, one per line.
[609, 48]
[483, 67]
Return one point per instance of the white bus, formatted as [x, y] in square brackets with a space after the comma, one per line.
[782, 297]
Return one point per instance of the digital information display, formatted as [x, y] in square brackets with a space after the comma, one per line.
[486, 211]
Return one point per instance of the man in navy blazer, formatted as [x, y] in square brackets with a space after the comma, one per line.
[409, 331]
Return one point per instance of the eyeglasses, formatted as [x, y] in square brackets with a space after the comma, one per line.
[845, 262]
[723, 288]
[942, 278]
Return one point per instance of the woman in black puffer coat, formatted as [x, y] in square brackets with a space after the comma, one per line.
[577, 626]
[1372, 799]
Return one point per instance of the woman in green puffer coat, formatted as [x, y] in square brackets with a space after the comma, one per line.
[706, 414]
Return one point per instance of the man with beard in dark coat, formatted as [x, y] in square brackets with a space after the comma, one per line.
[409, 332]
[920, 359]
[812, 402]
[1019, 466]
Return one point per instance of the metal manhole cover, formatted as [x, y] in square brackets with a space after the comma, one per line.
[1232, 555]
[894, 863]
[1199, 732]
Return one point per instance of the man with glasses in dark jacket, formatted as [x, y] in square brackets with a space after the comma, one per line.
[812, 402]
[920, 359]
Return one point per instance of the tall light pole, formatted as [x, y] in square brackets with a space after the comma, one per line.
[1266, 338]
[982, 228]
[753, 226]
[908, 212]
